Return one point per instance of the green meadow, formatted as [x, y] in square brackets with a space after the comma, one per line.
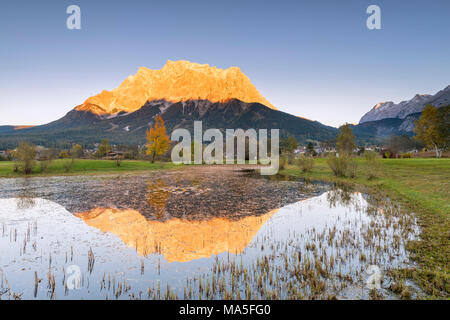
[426, 181]
[85, 167]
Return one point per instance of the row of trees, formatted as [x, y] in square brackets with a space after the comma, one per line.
[432, 132]
[432, 129]
[26, 157]
[342, 162]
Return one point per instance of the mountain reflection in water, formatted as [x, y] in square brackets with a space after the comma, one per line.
[312, 248]
[177, 239]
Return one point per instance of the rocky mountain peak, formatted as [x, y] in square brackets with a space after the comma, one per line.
[176, 81]
[389, 109]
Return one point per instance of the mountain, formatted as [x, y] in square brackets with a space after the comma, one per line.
[377, 131]
[176, 81]
[8, 129]
[181, 92]
[183, 239]
[386, 110]
[129, 128]
[388, 118]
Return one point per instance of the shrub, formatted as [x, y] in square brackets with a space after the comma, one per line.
[338, 165]
[64, 155]
[388, 154]
[44, 164]
[306, 164]
[374, 166]
[46, 160]
[25, 154]
[352, 166]
[118, 161]
[342, 166]
[283, 162]
[406, 155]
[290, 158]
[68, 164]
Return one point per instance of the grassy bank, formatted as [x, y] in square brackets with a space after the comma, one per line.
[422, 186]
[83, 166]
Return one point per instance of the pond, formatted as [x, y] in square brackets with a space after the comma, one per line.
[208, 232]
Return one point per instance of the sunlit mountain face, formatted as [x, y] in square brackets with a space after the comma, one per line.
[176, 81]
[179, 240]
[181, 92]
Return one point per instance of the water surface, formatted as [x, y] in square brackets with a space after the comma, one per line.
[205, 233]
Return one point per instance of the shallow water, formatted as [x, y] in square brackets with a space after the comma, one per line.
[204, 233]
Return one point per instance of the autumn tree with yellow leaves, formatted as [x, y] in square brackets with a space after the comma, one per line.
[433, 128]
[158, 141]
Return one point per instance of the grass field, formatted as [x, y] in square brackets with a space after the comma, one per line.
[82, 166]
[422, 186]
[426, 181]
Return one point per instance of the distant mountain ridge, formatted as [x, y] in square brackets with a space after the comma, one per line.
[129, 128]
[6, 129]
[388, 110]
[377, 131]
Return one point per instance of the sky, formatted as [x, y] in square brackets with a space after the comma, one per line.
[315, 59]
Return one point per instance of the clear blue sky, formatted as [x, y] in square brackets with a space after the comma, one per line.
[314, 59]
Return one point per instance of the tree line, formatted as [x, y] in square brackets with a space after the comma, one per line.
[432, 130]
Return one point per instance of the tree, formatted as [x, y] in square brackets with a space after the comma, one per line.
[374, 165]
[444, 129]
[157, 196]
[46, 159]
[346, 140]
[310, 148]
[103, 148]
[289, 145]
[158, 141]
[77, 151]
[63, 155]
[25, 154]
[361, 150]
[399, 144]
[433, 128]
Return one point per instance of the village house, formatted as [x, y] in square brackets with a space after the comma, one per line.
[114, 155]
